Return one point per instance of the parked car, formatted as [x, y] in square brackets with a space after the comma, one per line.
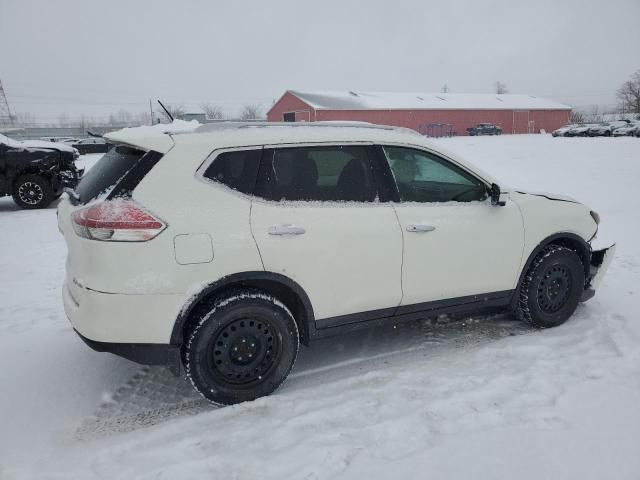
[560, 132]
[630, 130]
[605, 129]
[35, 172]
[580, 130]
[58, 139]
[91, 145]
[222, 249]
[484, 129]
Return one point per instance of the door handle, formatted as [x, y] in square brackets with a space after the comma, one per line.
[420, 228]
[286, 230]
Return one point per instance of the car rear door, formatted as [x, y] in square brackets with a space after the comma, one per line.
[456, 243]
[319, 219]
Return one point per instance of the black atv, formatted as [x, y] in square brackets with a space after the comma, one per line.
[35, 173]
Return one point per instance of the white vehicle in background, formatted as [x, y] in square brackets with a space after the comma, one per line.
[221, 250]
[629, 130]
[605, 129]
[560, 132]
[581, 130]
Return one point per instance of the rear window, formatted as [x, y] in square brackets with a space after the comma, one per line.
[108, 172]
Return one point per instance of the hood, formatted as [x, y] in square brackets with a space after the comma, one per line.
[550, 196]
[36, 145]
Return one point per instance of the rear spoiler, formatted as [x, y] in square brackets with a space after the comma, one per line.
[141, 138]
[155, 137]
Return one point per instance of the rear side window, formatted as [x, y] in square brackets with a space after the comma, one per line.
[332, 173]
[237, 170]
[112, 171]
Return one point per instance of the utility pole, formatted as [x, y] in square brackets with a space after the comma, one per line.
[151, 110]
[6, 119]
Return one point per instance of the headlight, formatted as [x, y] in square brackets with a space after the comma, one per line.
[595, 216]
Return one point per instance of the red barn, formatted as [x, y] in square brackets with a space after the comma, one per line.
[432, 114]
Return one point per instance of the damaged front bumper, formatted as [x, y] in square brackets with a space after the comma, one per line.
[71, 178]
[600, 261]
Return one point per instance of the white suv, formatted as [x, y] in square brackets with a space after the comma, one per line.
[222, 249]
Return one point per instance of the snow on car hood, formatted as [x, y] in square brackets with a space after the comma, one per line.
[550, 196]
[36, 145]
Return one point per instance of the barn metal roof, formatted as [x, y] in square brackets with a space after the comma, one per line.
[357, 100]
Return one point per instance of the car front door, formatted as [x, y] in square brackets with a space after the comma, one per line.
[456, 243]
[318, 218]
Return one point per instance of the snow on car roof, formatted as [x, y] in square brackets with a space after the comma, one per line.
[351, 100]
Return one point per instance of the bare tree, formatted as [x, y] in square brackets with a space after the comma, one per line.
[595, 115]
[63, 120]
[213, 112]
[175, 111]
[577, 116]
[251, 112]
[628, 94]
[142, 118]
[24, 119]
[501, 88]
[444, 89]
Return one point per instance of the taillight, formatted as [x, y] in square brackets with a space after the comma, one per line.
[116, 221]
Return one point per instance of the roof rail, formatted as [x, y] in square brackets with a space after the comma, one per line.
[214, 127]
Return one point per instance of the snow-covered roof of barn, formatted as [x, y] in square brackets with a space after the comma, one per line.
[356, 100]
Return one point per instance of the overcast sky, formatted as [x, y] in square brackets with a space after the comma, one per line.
[78, 56]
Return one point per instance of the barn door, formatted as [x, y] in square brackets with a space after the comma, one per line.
[521, 121]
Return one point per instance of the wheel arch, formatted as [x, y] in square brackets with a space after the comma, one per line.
[283, 288]
[565, 239]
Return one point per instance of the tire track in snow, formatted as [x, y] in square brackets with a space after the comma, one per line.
[154, 395]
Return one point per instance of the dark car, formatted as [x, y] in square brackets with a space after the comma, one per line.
[91, 145]
[35, 173]
[484, 129]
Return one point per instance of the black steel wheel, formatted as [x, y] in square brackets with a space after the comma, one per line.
[32, 191]
[554, 288]
[242, 347]
[244, 351]
[551, 289]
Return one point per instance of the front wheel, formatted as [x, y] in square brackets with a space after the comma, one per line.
[243, 347]
[32, 191]
[551, 289]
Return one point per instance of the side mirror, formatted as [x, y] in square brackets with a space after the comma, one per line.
[496, 196]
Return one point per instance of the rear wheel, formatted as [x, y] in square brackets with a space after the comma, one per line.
[551, 288]
[32, 191]
[242, 348]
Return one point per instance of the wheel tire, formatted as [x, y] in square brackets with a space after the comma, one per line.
[32, 191]
[607, 133]
[552, 287]
[242, 347]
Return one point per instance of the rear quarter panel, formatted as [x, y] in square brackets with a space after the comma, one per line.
[188, 206]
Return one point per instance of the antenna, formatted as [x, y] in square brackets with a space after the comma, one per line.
[6, 119]
[166, 111]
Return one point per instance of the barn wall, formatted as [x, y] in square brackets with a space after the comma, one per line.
[290, 103]
[508, 120]
[459, 119]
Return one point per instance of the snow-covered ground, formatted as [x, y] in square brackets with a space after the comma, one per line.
[480, 397]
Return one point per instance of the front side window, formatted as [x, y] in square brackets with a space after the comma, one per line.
[237, 169]
[329, 174]
[422, 177]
